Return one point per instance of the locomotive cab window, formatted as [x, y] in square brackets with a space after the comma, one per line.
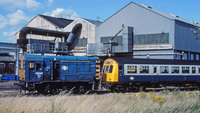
[103, 69]
[111, 68]
[107, 67]
[38, 67]
[31, 65]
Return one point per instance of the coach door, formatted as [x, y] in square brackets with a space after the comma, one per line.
[120, 72]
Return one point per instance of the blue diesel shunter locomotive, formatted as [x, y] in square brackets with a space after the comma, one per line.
[53, 73]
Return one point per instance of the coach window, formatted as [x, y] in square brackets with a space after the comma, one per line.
[120, 69]
[38, 67]
[144, 69]
[164, 69]
[154, 69]
[131, 69]
[193, 70]
[185, 69]
[199, 69]
[111, 68]
[175, 69]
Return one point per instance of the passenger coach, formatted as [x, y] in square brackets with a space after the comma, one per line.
[129, 73]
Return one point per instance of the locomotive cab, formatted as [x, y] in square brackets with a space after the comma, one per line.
[33, 68]
[110, 71]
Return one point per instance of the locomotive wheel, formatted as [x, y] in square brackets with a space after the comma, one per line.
[65, 89]
[142, 88]
[40, 91]
[81, 89]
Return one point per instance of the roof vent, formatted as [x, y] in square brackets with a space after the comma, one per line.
[194, 22]
[146, 6]
[174, 15]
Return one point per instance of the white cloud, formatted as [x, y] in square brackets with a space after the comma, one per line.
[11, 5]
[17, 18]
[60, 12]
[13, 19]
[32, 5]
[9, 35]
[50, 2]
[2, 21]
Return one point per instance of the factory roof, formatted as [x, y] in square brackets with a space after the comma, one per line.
[60, 22]
[166, 15]
[6, 58]
[93, 21]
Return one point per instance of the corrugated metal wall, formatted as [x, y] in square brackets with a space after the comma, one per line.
[144, 21]
[185, 38]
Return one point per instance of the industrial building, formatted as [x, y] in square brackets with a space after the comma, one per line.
[137, 30]
[37, 42]
[153, 33]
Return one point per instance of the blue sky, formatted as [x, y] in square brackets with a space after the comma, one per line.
[14, 14]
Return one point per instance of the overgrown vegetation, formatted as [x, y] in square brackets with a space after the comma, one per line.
[196, 30]
[151, 102]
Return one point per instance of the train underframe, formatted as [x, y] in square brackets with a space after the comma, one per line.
[83, 87]
[141, 86]
[57, 87]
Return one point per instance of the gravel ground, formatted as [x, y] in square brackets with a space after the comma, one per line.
[8, 87]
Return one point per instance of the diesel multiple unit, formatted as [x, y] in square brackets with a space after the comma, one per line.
[128, 73]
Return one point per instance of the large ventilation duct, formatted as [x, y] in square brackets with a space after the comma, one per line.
[37, 31]
[71, 38]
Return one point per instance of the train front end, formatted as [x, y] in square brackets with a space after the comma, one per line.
[109, 72]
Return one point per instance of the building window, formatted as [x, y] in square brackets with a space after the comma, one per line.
[175, 69]
[2, 65]
[151, 39]
[164, 69]
[131, 69]
[144, 69]
[82, 42]
[11, 65]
